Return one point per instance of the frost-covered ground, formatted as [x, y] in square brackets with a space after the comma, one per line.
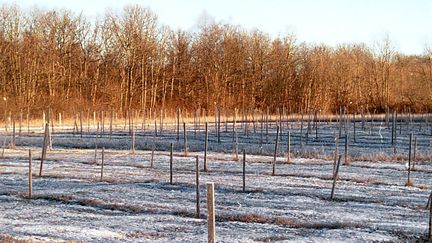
[135, 202]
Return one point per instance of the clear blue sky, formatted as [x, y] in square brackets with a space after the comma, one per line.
[406, 22]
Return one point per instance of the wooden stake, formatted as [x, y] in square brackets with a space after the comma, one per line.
[244, 170]
[354, 125]
[211, 216]
[20, 123]
[28, 122]
[153, 150]
[102, 165]
[346, 159]
[275, 151]
[197, 188]
[13, 133]
[336, 153]
[3, 147]
[430, 224]
[111, 124]
[205, 147]
[301, 130]
[414, 153]
[178, 123]
[409, 182]
[236, 149]
[267, 124]
[44, 147]
[289, 147]
[133, 139]
[171, 163]
[185, 140]
[81, 123]
[235, 124]
[218, 124]
[155, 128]
[335, 176]
[30, 180]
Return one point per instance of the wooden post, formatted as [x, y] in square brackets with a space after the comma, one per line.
[211, 216]
[13, 143]
[236, 149]
[111, 124]
[4, 146]
[262, 129]
[153, 150]
[185, 140]
[20, 123]
[393, 128]
[409, 182]
[161, 123]
[30, 181]
[336, 153]
[340, 121]
[275, 151]
[244, 170]
[346, 159]
[301, 130]
[235, 124]
[308, 128]
[155, 128]
[195, 123]
[335, 176]
[354, 125]
[289, 147]
[128, 116]
[199, 119]
[28, 122]
[215, 122]
[316, 125]
[44, 147]
[43, 119]
[218, 124]
[171, 163]
[205, 146]
[387, 117]
[81, 123]
[102, 165]
[414, 153]
[178, 123]
[267, 123]
[88, 120]
[430, 224]
[247, 123]
[197, 188]
[133, 139]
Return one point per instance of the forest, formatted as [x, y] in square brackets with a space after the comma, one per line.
[128, 60]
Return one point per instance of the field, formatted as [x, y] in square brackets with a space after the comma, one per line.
[135, 201]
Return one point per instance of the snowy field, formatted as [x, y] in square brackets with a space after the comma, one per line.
[135, 202]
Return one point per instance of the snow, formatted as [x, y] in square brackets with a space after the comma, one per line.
[134, 202]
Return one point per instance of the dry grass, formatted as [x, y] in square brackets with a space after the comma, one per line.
[409, 183]
[291, 223]
[144, 235]
[10, 239]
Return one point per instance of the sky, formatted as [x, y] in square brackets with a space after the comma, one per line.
[407, 23]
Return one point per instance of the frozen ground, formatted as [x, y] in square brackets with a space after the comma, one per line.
[135, 202]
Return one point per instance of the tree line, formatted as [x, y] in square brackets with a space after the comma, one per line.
[129, 61]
